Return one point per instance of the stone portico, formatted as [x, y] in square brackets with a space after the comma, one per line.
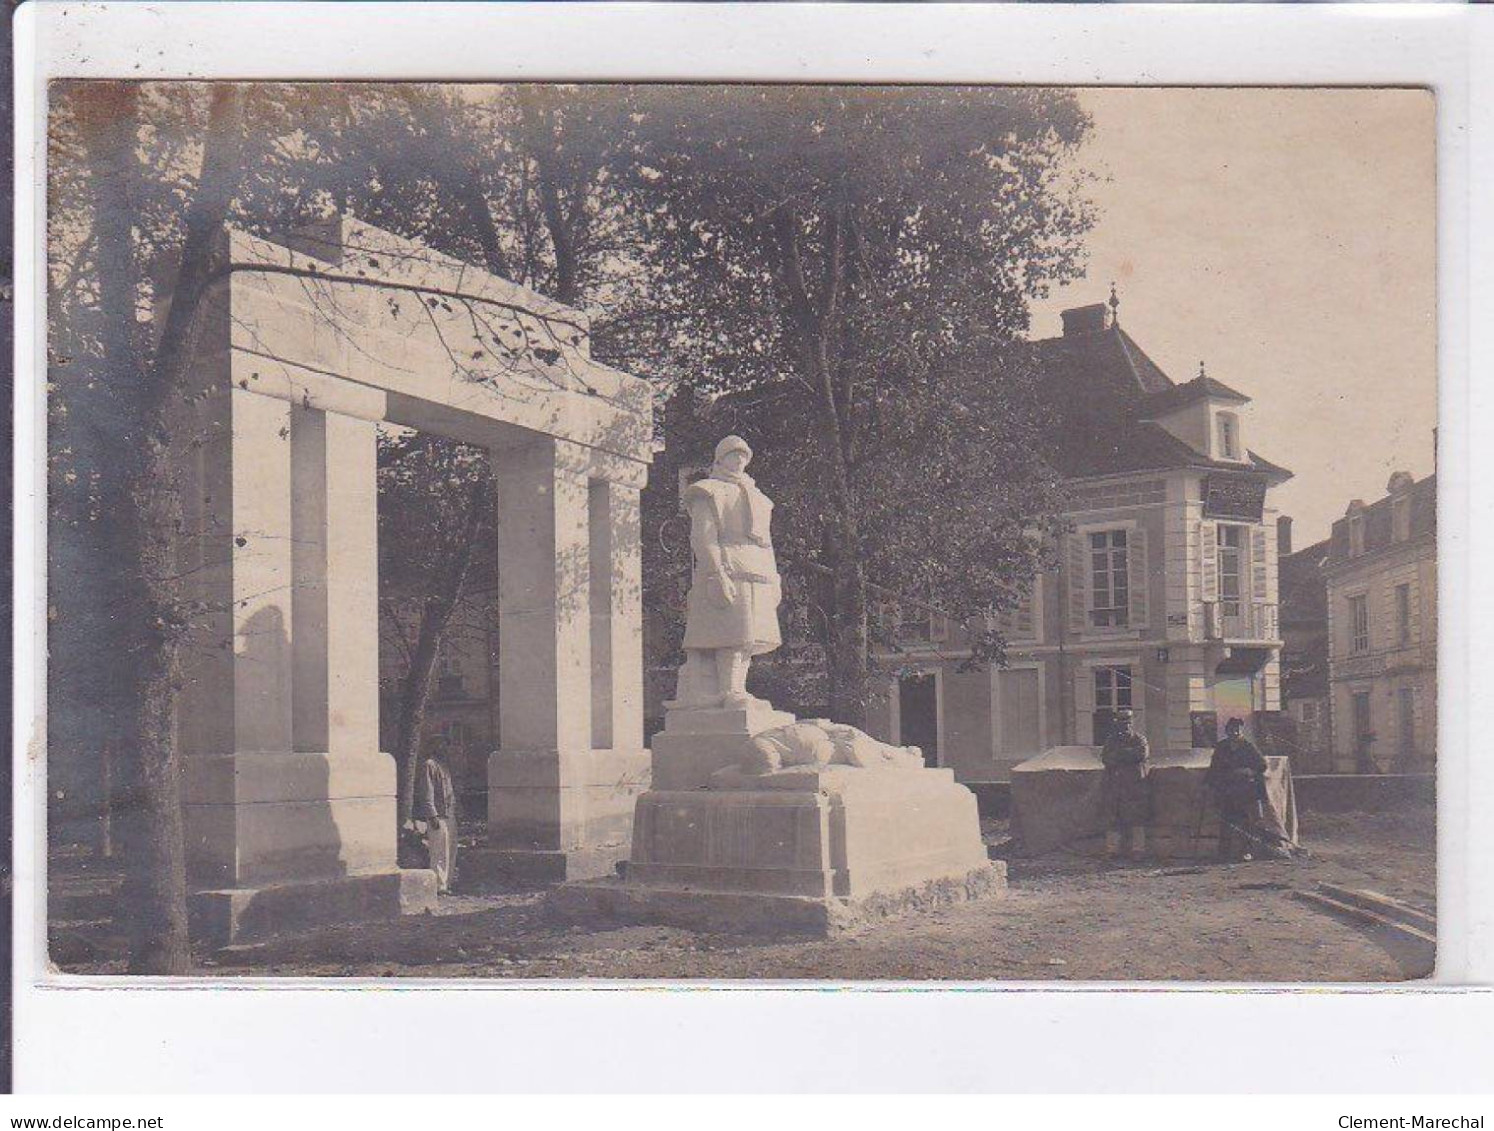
[303, 348]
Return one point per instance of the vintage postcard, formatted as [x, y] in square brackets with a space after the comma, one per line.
[739, 531]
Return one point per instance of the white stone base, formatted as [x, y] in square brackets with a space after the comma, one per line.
[757, 913]
[814, 849]
[555, 815]
[237, 915]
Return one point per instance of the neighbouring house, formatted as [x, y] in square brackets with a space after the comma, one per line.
[1165, 599]
[1382, 630]
[1303, 585]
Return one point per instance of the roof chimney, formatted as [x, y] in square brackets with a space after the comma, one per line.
[1092, 319]
[1283, 534]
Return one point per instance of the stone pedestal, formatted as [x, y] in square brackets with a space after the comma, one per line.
[813, 848]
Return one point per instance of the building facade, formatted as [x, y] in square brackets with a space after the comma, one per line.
[1304, 654]
[1165, 597]
[1382, 631]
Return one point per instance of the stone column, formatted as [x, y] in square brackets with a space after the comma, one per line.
[290, 806]
[616, 617]
[560, 806]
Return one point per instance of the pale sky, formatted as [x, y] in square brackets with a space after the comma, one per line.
[1286, 238]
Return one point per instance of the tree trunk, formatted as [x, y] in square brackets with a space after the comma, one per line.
[846, 639]
[849, 668]
[543, 146]
[142, 513]
[435, 617]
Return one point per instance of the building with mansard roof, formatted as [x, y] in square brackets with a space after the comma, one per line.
[1165, 601]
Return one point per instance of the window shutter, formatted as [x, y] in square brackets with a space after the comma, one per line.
[1387, 614]
[1140, 578]
[1078, 582]
[1208, 561]
[1017, 623]
[1260, 587]
[1084, 706]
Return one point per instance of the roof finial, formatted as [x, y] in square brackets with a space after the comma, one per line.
[1201, 373]
[1115, 305]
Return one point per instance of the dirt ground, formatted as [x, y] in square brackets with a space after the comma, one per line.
[1064, 918]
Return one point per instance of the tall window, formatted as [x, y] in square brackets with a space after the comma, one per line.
[1110, 582]
[1229, 436]
[1113, 687]
[1403, 614]
[1231, 568]
[448, 673]
[1359, 623]
[1112, 692]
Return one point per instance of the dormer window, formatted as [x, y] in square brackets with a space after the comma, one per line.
[1356, 535]
[1400, 518]
[1400, 487]
[1229, 435]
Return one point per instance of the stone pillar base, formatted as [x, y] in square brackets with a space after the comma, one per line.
[235, 915]
[555, 815]
[483, 868]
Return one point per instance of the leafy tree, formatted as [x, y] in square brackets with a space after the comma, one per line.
[143, 175]
[129, 496]
[854, 267]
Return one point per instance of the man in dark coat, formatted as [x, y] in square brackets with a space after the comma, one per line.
[1237, 779]
[1125, 797]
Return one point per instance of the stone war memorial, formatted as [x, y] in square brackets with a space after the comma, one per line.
[753, 820]
[305, 348]
[758, 821]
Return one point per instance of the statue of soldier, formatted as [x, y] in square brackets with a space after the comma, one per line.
[1125, 798]
[1237, 778]
[732, 610]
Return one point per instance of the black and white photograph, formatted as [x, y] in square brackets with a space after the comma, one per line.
[732, 531]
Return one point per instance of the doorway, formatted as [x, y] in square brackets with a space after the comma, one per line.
[918, 714]
[1364, 734]
[1019, 715]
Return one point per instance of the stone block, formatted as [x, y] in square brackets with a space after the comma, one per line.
[1056, 803]
[556, 815]
[289, 841]
[243, 914]
[813, 848]
[598, 902]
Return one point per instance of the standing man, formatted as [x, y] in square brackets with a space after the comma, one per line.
[1237, 778]
[1124, 795]
[436, 820]
[732, 609]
